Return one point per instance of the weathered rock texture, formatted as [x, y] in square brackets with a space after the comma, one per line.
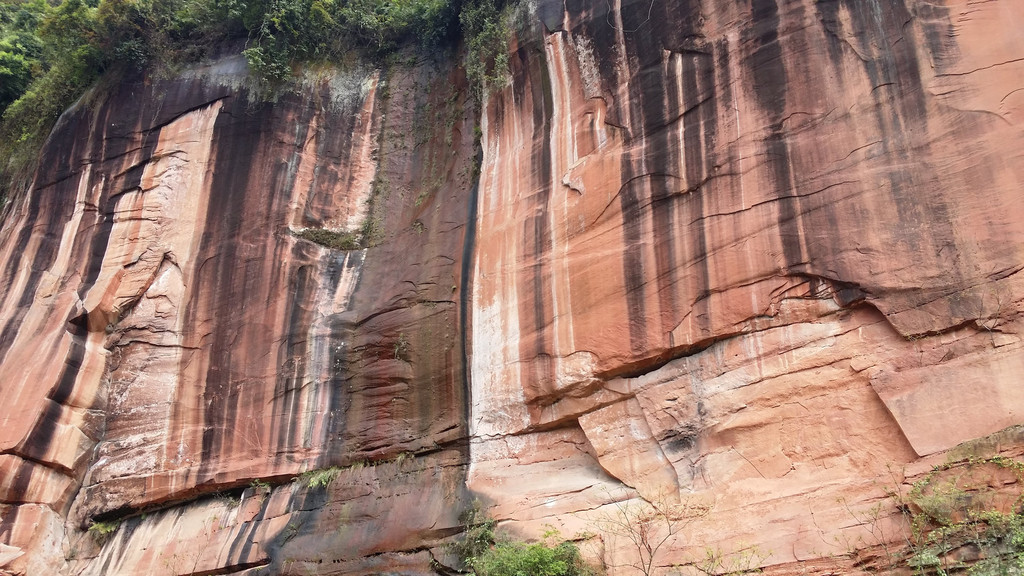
[750, 252]
[166, 335]
[758, 256]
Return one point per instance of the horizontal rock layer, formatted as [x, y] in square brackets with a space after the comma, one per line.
[756, 258]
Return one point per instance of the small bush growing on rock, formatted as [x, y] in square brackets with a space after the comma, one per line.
[645, 527]
[331, 239]
[960, 520]
[477, 534]
[964, 517]
[101, 531]
[486, 553]
[512, 558]
[320, 478]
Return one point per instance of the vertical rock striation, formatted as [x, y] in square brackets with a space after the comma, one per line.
[757, 257]
[758, 253]
[169, 334]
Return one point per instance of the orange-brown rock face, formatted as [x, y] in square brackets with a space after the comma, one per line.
[758, 258]
[752, 254]
[167, 334]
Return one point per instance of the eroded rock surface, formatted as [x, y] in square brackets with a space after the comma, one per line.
[758, 257]
[167, 335]
[780, 241]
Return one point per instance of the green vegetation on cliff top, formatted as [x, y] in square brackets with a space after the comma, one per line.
[52, 51]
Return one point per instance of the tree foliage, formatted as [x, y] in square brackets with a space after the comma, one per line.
[487, 553]
[285, 31]
[20, 48]
[961, 521]
[52, 51]
[512, 558]
[485, 24]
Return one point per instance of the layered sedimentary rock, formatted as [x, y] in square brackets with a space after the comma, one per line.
[167, 332]
[759, 258]
[760, 254]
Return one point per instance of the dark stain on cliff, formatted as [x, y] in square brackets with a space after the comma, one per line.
[939, 34]
[330, 143]
[697, 104]
[48, 209]
[240, 224]
[92, 239]
[465, 305]
[37, 443]
[339, 339]
[633, 194]
[883, 34]
[766, 65]
[536, 306]
[700, 128]
[382, 400]
[291, 357]
[112, 176]
[46, 213]
[768, 72]
[241, 546]
[237, 136]
[596, 22]
[651, 191]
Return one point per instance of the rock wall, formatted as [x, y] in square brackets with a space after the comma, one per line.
[759, 258]
[761, 254]
[168, 335]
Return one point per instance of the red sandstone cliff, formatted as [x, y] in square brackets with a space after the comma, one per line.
[760, 255]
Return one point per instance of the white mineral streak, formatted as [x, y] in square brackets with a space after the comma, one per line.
[351, 193]
[499, 374]
[332, 298]
[27, 372]
[365, 165]
[498, 402]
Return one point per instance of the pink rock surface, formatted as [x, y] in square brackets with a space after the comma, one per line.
[790, 231]
[759, 257]
[167, 335]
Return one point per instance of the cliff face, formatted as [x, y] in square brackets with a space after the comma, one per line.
[762, 256]
[757, 252]
[167, 335]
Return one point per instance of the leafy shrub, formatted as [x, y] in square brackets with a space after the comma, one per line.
[956, 508]
[485, 27]
[477, 534]
[20, 48]
[383, 24]
[539, 559]
[270, 67]
[331, 239]
[285, 31]
[320, 478]
[101, 531]
[487, 554]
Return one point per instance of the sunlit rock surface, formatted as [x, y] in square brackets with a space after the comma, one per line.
[758, 256]
[167, 335]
